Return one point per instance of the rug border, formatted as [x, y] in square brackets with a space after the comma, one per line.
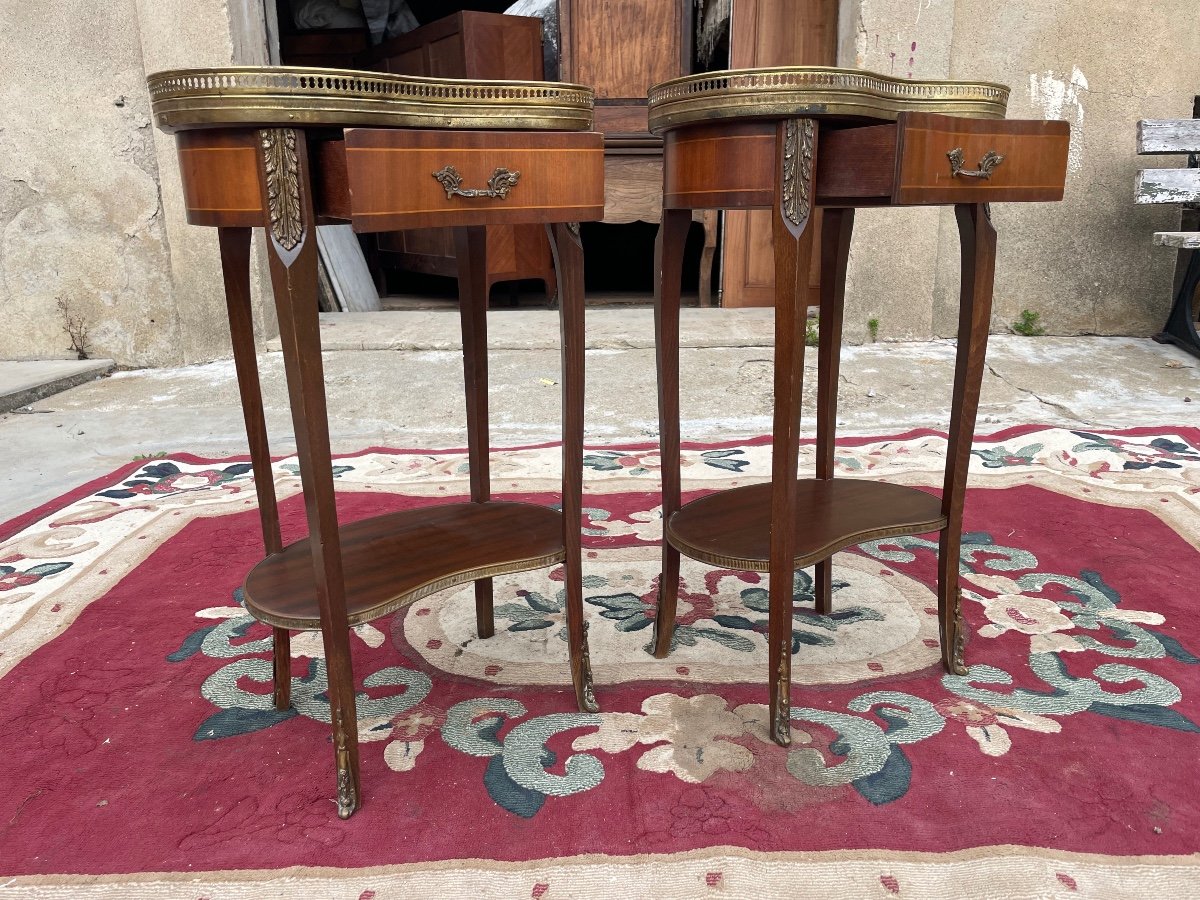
[798, 857]
[14, 526]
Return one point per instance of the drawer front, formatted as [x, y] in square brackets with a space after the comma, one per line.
[419, 178]
[1032, 164]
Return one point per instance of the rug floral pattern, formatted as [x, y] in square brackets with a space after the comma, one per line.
[1075, 588]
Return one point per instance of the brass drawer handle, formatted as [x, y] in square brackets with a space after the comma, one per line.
[987, 165]
[501, 182]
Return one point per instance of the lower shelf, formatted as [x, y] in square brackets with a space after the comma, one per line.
[732, 529]
[393, 560]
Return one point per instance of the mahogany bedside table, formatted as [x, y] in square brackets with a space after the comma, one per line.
[794, 140]
[288, 150]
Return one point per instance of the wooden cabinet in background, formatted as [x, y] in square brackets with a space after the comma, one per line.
[465, 45]
[472, 45]
[621, 48]
[767, 33]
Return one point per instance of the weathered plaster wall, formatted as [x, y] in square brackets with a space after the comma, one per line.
[189, 34]
[1086, 264]
[79, 210]
[90, 199]
[893, 263]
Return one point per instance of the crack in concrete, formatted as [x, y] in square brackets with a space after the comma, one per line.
[1061, 408]
[26, 183]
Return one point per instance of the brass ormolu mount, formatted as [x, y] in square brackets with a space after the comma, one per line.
[502, 181]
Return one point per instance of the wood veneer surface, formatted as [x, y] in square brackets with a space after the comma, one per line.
[733, 528]
[394, 559]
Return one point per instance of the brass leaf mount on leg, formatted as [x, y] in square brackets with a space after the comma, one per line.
[281, 166]
[588, 698]
[347, 802]
[959, 637]
[799, 147]
[783, 703]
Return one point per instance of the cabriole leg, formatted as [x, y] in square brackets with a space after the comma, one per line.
[235, 267]
[978, 244]
[568, 259]
[793, 242]
[471, 252]
[672, 236]
[292, 250]
[836, 229]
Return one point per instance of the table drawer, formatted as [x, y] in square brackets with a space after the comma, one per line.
[423, 178]
[993, 160]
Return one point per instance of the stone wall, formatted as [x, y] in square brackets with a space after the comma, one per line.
[1085, 265]
[90, 199]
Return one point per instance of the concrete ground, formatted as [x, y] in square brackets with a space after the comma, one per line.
[395, 379]
[24, 382]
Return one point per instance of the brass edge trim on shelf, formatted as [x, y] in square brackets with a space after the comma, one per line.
[417, 593]
[800, 91]
[762, 565]
[289, 95]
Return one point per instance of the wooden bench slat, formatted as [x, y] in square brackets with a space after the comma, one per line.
[1168, 136]
[1168, 186]
[1184, 240]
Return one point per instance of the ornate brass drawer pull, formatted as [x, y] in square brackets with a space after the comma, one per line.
[987, 165]
[502, 181]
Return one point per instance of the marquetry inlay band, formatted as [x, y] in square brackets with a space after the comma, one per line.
[283, 96]
[802, 91]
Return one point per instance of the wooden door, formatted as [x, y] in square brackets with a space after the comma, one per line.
[771, 33]
[621, 48]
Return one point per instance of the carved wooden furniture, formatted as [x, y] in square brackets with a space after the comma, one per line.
[765, 33]
[290, 149]
[472, 45]
[621, 48]
[792, 141]
[1177, 185]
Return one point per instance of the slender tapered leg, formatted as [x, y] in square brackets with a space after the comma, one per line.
[837, 227]
[793, 242]
[567, 250]
[668, 253]
[235, 266]
[978, 240]
[708, 220]
[471, 252]
[292, 250]
[550, 280]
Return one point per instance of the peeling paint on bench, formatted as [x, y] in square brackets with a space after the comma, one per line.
[1168, 186]
[1168, 136]
[1183, 240]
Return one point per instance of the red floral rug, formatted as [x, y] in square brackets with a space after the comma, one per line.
[143, 756]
